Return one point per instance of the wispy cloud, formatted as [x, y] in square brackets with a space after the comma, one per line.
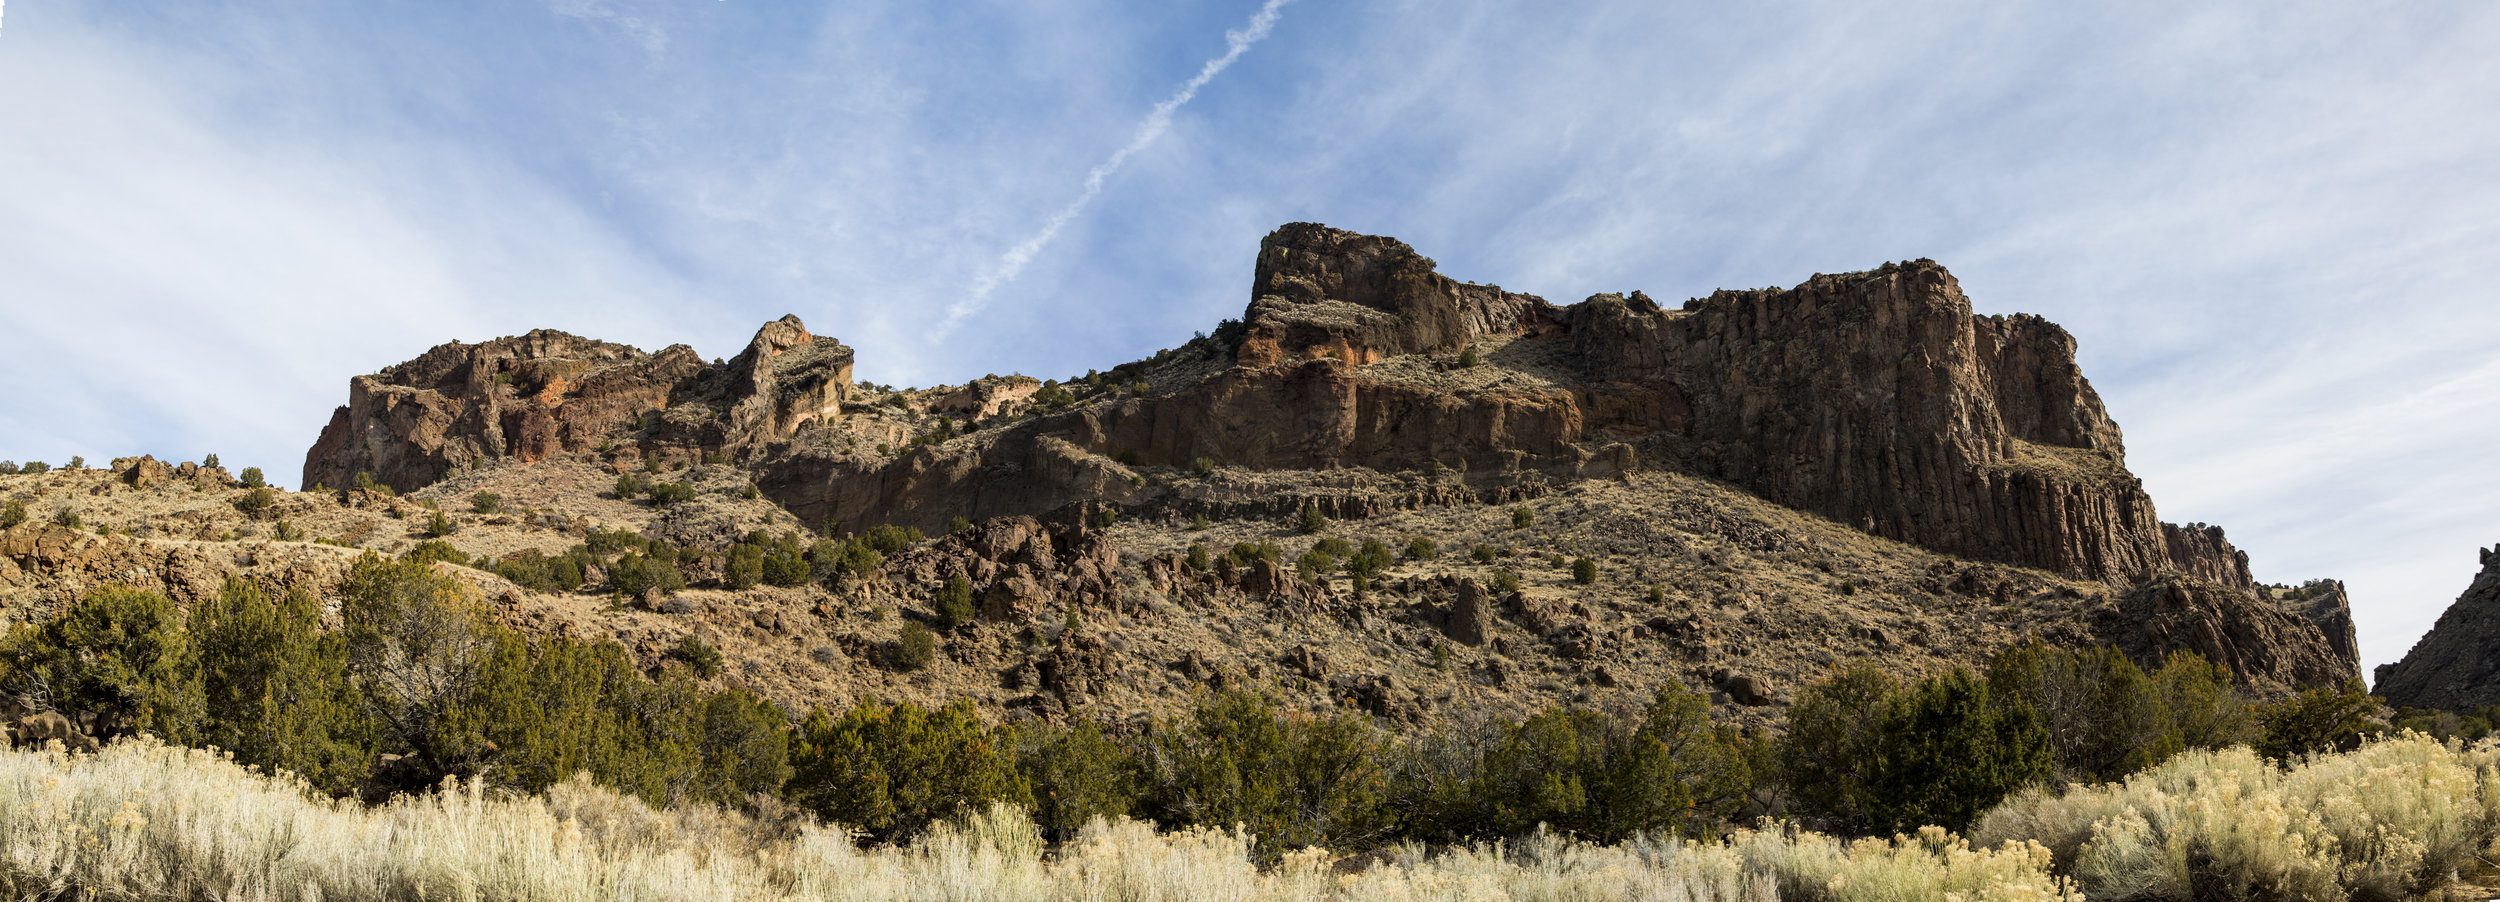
[1013, 262]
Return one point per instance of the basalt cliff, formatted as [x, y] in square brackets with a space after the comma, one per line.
[2456, 666]
[1769, 481]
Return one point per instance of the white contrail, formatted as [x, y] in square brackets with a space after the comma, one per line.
[1010, 264]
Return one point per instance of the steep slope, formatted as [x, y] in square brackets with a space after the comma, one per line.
[2455, 666]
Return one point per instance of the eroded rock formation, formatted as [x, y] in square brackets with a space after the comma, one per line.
[2456, 665]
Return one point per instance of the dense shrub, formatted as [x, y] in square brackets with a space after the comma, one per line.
[433, 550]
[257, 501]
[1598, 775]
[2318, 720]
[1309, 520]
[914, 647]
[699, 655]
[2104, 715]
[1290, 779]
[276, 689]
[1583, 571]
[119, 661]
[954, 603]
[1947, 753]
[832, 559]
[668, 493]
[1076, 773]
[631, 486]
[1522, 518]
[891, 539]
[13, 514]
[892, 770]
[486, 503]
[611, 541]
[745, 566]
[1421, 549]
[420, 648]
[35, 468]
[1482, 554]
[253, 478]
[536, 571]
[67, 519]
[1197, 559]
[635, 574]
[8, 468]
[1827, 759]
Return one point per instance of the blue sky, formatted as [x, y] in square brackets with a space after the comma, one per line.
[2274, 228]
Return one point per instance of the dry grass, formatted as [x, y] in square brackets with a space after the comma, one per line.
[145, 821]
[2396, 819]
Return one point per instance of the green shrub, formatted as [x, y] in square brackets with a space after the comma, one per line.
[209, 461]
[438, 525]
[66, 519]
[699, 655]
[668, 493]
[1243, 553]
[1505, 580]
[891, 771]
[486, 503]
[745, 567]
[1309, 521]
[1290, 779]
[257, 501]
[785, 563]
[892, 539]
[13, 514]
[365, 483]
[1421, 549]
[1827, 758]
[958, 525]
[432, 550]
[119, 661]
[849, 557]
[914, 647]
[1590, 774]
[611, 541]
[1583, 571]
[954, 603]
[1197, 557]
[1369, 560]
[1521, 517]
[1334, 548]
[76, 463]
[1948, 754]
[1315, 564]
[1467, 356]
[253, 478]
[1203, 466]
[8, 468]
[2318, 720]
[275, 688]
[1076, 773]
[631, 486]
[635, 574]
[421, 648]
[1482, 554]
[35, 468]
[2104, 716]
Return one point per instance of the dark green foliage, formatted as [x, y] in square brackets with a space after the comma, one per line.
[631, 486]
[1583, 571]
[1421, 549]
[1108, 515]
[276, 690]
[257, 501]
[954, 603]
[76, 463]
[1595, 775]
[420, 648]
[1291, 779]
[2104, 716]
[1467, 357]
[534, 570]
[1827, 758]
[286, 532]
[253, 478]
[891, 539]
[486, 503]
[66, 519]
[890, 771]
[1203, 466]
[668, 493]
[1506, 580]
[1948, 754]
[117, 662]
[914, 647]
[847, 557]
[611, 541]
[13, 514]
[745, 567]
[35, 468]
[1369, 560]
[1309, 520]
[1482, 554]
[1333, 547]
[209, 461]
[1197, 558]
[2202, 707]
[432, 550]
[1657, 595]
[699, 655]
[1522, 518]
[1242, 553]
[1315, 564]
[2318, 720]
[957, 525]
[8, 468]
[635, 574]
[438, 525]
[1076, 773]
[365, 483]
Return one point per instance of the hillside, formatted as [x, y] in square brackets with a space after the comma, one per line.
[1764, 483]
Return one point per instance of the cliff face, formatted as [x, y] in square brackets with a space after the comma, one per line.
[1876, 399]
[549, 393]
[2456, 665]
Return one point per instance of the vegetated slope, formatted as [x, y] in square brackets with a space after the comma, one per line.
[2455, 666]
[1857, 467]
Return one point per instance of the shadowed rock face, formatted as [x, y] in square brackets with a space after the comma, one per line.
[2456, 665]
[1877, 399]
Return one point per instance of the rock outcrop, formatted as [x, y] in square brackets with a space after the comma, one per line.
[2261, 643]
[548, 393]
[2456, 666]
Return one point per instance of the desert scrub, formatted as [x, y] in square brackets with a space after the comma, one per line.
[2392, 819]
